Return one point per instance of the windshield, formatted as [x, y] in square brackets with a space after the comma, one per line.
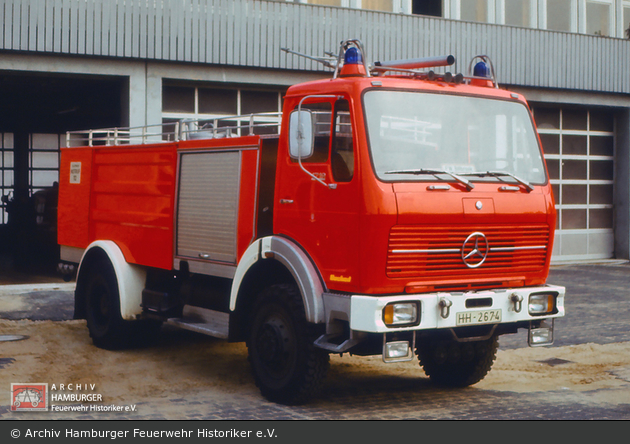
[410, 132]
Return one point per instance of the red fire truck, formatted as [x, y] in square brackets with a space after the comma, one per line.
[391, 210]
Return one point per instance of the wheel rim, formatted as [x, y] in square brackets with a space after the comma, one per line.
[275, 347]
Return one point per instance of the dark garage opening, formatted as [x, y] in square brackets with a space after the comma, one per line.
[35, 112]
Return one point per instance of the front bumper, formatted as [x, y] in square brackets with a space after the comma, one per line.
[451, 310]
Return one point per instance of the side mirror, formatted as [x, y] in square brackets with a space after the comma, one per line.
[301, 140]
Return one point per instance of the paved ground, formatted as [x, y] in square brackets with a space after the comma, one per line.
[598, 303]
[582, 380]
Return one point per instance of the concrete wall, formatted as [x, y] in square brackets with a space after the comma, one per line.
[250, 33]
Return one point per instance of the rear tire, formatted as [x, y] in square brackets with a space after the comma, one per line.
[102, 302]
[287, 367]
[457, 364]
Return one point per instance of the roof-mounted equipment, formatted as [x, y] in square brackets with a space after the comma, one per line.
[419, 63]
[481, 72]
[328, 62]
[411, 67]
[351, 60]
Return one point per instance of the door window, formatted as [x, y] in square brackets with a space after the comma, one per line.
[333, 139]
[342, 153]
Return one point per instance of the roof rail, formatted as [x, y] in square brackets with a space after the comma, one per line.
[183, 129]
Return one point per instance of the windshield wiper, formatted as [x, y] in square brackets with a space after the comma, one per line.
[469, 186]
[499, 174]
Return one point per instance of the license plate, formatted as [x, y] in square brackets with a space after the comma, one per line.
[479, 317]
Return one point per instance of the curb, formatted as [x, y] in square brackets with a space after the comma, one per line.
[29, 288]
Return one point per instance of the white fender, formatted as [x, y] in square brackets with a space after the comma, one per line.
[297, 262]
[131, 278]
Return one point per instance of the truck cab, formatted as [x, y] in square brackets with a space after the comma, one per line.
[425, 204]
[405, 170]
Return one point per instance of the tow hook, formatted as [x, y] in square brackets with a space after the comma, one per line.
[445, 307]
[517, 300]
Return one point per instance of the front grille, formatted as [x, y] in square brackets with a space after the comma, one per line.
[434, 251]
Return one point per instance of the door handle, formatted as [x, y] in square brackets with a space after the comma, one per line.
[286, 201]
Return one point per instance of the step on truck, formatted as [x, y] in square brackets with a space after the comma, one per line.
[391, 210]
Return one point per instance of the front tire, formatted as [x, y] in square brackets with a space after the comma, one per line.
[457, 364]
[287, 367]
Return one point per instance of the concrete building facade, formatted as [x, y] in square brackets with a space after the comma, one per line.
[78, 64]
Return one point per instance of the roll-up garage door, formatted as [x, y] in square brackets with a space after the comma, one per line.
[579, 149]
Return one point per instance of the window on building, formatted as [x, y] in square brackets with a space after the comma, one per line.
[207, 102]
[178, 99]
[595, 17]
[561, 15]
[518, 13]
[259, 102]
[598, 18]
[217, 101]
[379, 5]
[374, 5]
[327, 2]
[427, 7]
[473, 10]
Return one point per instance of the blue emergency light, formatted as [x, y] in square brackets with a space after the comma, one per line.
[481, 70]
[353, 56]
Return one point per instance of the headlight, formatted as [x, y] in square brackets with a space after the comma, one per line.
[401, 313]
[542, 303]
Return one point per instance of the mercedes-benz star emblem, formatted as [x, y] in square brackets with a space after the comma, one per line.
[475, 250]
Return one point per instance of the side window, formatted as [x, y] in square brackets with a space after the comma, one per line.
[342, 153]
[322, 117]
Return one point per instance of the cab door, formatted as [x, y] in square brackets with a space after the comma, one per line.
[318, 201]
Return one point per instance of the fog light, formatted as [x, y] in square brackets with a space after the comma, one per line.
[543, 303]
[397, 351]
[542, 334]
[401, 313]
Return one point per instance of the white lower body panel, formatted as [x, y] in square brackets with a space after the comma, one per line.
[456, 310]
